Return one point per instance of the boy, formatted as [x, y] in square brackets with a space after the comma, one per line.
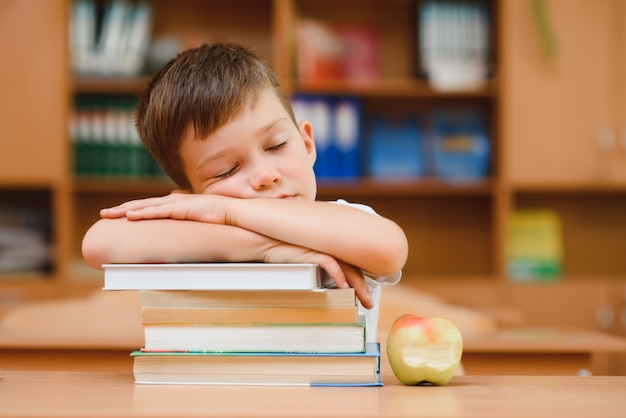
[220, 125]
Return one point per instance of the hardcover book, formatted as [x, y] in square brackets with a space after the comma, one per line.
[333, 369]
[215, 276]
[239, 315]
[283, 337]
[535, 245]
[316, 298]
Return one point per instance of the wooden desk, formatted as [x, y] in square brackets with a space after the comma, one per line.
[114, 395]
[545, 351]
[524, 351]
[24, 351]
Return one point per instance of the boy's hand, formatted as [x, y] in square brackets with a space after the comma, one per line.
[344, 274]
[178, 205]
[213, 209]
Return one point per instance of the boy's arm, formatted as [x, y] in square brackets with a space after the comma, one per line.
[169, 241]
[373, 243]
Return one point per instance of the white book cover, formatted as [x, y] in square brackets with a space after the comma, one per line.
[82, 35]
[215, 276]
[136, 39]
[257, 338]
[111, 35]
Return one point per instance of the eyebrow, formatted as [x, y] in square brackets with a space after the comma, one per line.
[220, 153]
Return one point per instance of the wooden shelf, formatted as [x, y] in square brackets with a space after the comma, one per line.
[391, 88]
[356, 187]
[120, 185]
[404, 187]
[109, 85]
[565, 187]
[401, 88]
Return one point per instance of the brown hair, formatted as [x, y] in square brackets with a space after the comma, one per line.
[203, 87]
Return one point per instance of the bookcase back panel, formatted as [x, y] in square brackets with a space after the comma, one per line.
[33, 83]
[197, 21]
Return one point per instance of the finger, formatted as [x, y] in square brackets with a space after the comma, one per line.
[357, 281]
[335, 271]
[111, 213]
[152, 212]
[134, 205]
[363, 293]
[114, 212]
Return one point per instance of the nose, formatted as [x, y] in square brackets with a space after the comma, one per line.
[264, 175]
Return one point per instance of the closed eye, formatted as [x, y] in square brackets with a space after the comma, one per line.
[227, 173]
[278, 147]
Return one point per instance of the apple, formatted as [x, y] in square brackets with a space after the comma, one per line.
[424, 349]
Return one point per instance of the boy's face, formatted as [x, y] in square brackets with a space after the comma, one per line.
[259, 154]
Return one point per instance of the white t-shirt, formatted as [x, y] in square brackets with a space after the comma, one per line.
[374, 283]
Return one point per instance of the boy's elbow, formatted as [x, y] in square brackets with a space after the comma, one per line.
[391, 253]
[91, 255]
[396, 254]
[93, 250]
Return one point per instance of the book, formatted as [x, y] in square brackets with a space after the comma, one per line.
[453, 43]
[394, 147]
[136, 39]
[272, 338]
[333, 369]
[317, 298]
[215, 276]
[24, 238]
[361, 51]
[348, 132]
[319, 51]
[321, 115]
[535, 245]
[460, 145]
[82, 35]
[111, 35]
[254, 315]
[338, 133]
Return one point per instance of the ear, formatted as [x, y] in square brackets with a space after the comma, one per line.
[306, 132]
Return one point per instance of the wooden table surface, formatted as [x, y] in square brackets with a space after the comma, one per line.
[522, 351]
[110, 394]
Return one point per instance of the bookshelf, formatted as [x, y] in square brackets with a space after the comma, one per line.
[456, 231]
[562, 134]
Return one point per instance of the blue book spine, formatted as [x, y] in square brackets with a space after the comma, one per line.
[394, 148]
[314, 109]
[461, 147]
[321, 117]
[348, 131]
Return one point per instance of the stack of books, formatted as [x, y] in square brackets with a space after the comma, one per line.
[246, 323]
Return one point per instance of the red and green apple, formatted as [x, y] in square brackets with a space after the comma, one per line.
[424, 349]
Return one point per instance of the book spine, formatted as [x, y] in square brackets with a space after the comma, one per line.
[277, 338]
[347, 136]
[338, 131]
[82, 35]
[105, 141]
[394, 147]
[328, 298]
[460, 146]
[110, 37]
[152, 316]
